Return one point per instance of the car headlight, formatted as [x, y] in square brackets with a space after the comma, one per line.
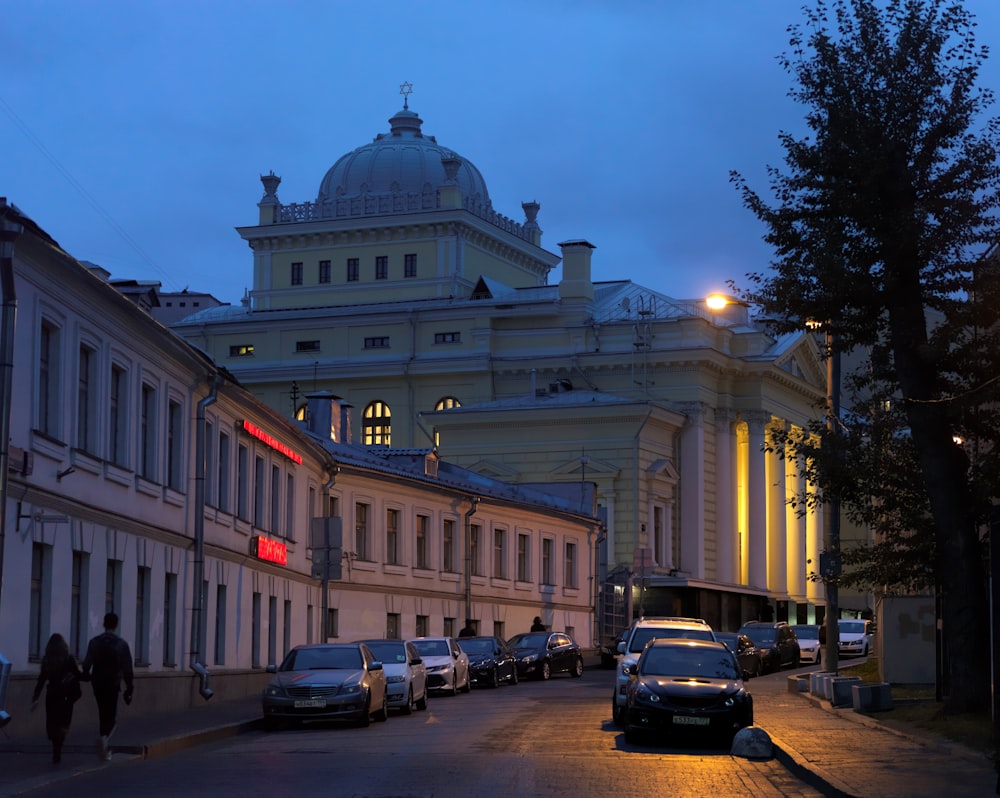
[529, 658]
[643, 693]
[351, 689]
[729, 702]
[395, 679]
[271, 690]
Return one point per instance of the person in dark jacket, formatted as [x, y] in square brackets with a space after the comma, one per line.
[62, 674]
[469, 630]
[108, 663]
[537, 625]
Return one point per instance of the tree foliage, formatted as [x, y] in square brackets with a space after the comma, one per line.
[882, 223]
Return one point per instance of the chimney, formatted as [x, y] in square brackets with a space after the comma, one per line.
[576, 284]
[329, 417]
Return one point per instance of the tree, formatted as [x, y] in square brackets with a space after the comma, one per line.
[880, 222]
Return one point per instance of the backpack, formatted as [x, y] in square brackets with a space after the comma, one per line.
[106, 665]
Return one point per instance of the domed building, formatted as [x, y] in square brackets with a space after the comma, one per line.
[401, 290]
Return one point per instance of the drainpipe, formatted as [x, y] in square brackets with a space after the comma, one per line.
[468, 555]
[9, 232]
[332, 470]
[197, 637]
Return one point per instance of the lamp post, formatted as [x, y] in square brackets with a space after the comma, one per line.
[831, 567]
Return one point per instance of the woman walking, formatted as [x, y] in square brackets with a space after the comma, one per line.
[62, 674]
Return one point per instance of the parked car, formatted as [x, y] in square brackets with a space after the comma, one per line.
[810, 649]
[747, 654]
[856, 637]
[640, 633]
[541, 654]
[491, 661]
[405, 673]
[777, 643]
[689, 687]
[324, 681]
[447, 665]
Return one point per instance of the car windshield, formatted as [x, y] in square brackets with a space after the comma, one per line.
[432, 648]
[529, 640]
[643, 635]
[807, 632]
[694, 662]
[729, 638]
[388, 651]
[476, 645]
[323, 658]
[762, 638]
[852, 627]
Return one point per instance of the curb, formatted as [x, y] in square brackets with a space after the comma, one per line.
[188, 740]
[809, 773]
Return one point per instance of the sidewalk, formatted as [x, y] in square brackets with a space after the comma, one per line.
[836, 751]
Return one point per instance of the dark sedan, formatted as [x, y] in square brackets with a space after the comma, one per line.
[491, 662]
[747, 654]
[540, 654]
[324, 681]
[688, 686]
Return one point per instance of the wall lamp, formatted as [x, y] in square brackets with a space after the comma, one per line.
[64, 473]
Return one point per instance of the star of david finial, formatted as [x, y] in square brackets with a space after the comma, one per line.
[406, 89]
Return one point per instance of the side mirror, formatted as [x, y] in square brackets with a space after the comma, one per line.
[271, 669]
[416, 661]
[375, 666]
[621, 647]
[633, 669]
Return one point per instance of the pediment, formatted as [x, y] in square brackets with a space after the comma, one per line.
[591, 466]
[492, 468]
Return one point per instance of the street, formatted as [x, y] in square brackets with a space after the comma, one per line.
[550, 738]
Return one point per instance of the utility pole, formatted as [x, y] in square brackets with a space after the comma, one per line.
[832, 565]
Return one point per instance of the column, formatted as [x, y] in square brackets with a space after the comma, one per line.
[726, 527]
[757, 500]
[777, 543]
[692, 491]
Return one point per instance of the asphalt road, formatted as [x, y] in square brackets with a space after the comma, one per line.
[550, 738]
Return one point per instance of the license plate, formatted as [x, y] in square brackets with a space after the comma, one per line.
[690, 720]
[310, 703]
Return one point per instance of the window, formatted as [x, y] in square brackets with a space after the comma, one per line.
[78, 605]
[332, 624]
[170, 619]
[143, 583]
[377, 342]
[290, 507]
[392, 537]
[498, 630]
[307, 346]
[476, 548]
[523, 546]
[448, 544]
[448, 338]
[376, 425]
[569, 578]
[118, 416]
[450, 627]
[410, 265]
[258, 495]
[241, 350]
[381, 267]
[286, 637]
[309, 624]
[392, 626]
[220, 624]
[423, 626]
[112, 586]
[296, 274]
[420, 545]
[48, 379]
[223, 472]
[38, 605]
[255, 632]
[500, 553]
[352, 270]
[275, 500]
[243, 483]
[361, 531]
[86, 401]
[147, 433]
[447, 402]
[272, 630]
[548, 566]
[175, 445]
[324, 271]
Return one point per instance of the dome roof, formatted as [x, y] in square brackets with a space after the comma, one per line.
[402, 161]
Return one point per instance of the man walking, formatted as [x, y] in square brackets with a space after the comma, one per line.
[108, 663]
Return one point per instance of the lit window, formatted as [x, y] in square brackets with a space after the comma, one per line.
[307, 346]
[376, 424]
[241, 350]
[447, 402]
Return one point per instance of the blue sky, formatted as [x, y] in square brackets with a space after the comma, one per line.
[135, 131]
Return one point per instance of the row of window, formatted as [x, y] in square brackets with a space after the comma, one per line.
[427, 548]
[370, 342]
[376, 426]
[352, 269]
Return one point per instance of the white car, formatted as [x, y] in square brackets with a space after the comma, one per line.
[643, 630]
[810, 649]
[405, 673]
[856, 636]
[447, 665]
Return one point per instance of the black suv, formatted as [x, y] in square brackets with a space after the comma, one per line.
[777, 643]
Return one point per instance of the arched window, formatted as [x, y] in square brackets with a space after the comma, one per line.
[447, 402]
[376, 426]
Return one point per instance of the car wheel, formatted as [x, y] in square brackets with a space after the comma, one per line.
[422, 701]
[513, 675]
[577, 668]
[407, 708]
[365, 718]
[495, 677]
[454, 684]
[545, 672]
[617, 713]
[819, 658]
[383, 714]
[467, 687]
[797, 661]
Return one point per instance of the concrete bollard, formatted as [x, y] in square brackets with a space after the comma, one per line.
[815, 682]
[752, 742]
[840, 690]
[799, 683]
[875, 697]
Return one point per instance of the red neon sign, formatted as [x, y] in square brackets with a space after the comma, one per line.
[271, 550]
[274, 443]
